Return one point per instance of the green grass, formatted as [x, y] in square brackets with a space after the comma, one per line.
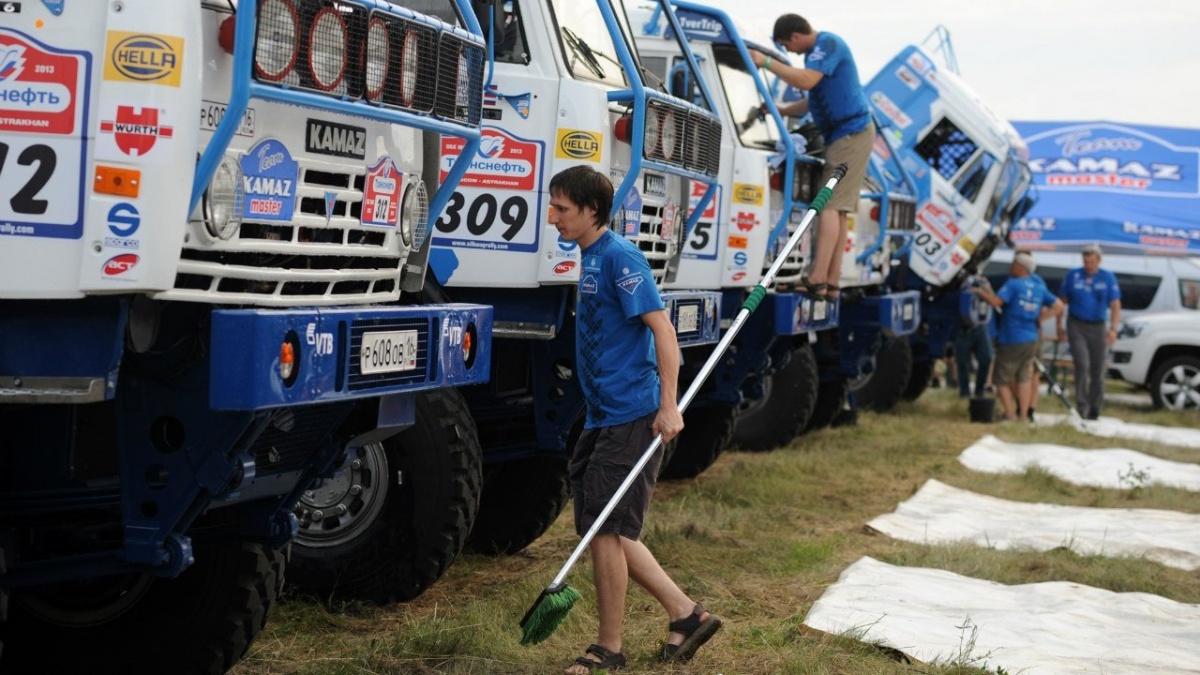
[757, 538]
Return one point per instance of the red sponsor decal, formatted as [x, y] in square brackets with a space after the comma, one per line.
[136, 130]
[938, 222]
[118, 265]
[957, 258]
[738, 276]
[745, 221]
[381, 193]
[503, 161]
[564, 267]
[37, 88]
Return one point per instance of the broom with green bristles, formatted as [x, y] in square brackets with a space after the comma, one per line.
[552, 606]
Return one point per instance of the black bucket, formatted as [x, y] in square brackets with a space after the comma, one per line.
[983, 409]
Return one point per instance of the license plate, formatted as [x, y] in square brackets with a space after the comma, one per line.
[819, 310]
[687, 319]
[388, 352]
[211, 114]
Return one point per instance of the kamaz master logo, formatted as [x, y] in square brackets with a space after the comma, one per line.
[576, 144]
[142, 57]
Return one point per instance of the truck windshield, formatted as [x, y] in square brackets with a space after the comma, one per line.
[587, 45]
[743, 100]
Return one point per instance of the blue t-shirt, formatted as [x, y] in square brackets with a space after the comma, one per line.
[1023, 301]
[838, 104]
[1087, 297]
[618, 370]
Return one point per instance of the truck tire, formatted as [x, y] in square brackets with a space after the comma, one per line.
[882, 389]
[706, 432]
[789, 396]
[1172, 386]
[409, 503]
[831, 397]
[918, 380]
[521, 499]
[199, 623]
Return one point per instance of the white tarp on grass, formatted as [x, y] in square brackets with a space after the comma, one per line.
[1111, 427]
[1116, 468]
[1033, 629]
[941, 514]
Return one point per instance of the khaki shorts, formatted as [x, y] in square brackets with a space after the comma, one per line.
[1014, 363]
[602, 460]
[855, 151]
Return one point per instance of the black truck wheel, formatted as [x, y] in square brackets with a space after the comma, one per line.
[831, 397]
[918, 380]
[390, 522]
[521, 500]
[881, 389]
[706, 432]
[789, 396]
[199, 623]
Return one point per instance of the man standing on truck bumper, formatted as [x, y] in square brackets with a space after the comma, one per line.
[628, 363]
[1092, 296]
[840, 110]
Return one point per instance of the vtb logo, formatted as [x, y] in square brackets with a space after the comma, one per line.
[136, 130]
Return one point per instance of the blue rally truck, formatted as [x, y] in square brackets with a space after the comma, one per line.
[566, 88]
[772, 384]
[970, 170]
[215, 216]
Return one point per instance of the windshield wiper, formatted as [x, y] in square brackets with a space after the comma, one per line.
[581, 48]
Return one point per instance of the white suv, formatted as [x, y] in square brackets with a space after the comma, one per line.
[1162, 353]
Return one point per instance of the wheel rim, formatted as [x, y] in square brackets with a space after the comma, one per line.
[88, 603]
[752, 406]
[1180, 387]
[335, 510]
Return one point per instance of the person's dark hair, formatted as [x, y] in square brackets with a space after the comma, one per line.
[788, 24]
[586, 188]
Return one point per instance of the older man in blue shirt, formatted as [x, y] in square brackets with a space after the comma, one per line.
[1093, 298]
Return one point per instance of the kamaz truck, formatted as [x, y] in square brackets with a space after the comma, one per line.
[566, 88]
[771, 379]
[214, 216]
[969, 168]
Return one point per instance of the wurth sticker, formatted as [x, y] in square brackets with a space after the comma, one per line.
[38, 89]
[136, 130]
[381, 194]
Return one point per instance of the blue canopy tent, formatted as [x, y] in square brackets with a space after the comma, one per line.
[1131, 188]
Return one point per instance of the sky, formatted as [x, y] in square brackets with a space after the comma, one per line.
[1031, 60]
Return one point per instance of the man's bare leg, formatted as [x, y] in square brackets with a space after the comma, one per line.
[645, 570]
[611, 574]
[839, 251]
[1006, 400]
[828, 228]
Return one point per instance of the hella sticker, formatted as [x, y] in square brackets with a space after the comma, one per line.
[120, 264]
[744, 193]
[143, 57]
[576, 144]
[269, 176]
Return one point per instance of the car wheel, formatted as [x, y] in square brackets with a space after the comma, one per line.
[1175, 384]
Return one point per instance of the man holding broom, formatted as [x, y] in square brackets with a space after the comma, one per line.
[628, 369]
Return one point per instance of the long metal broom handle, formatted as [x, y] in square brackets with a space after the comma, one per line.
[748, 306]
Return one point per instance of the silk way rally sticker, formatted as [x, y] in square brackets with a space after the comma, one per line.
[269, 176]
[381, 194]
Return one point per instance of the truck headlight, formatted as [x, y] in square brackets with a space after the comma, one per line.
[409, 60]
[327, 49]
[414, 216]
[670, 134]
[376, 57]
[223, 200]
[653, 131]
[278, 43]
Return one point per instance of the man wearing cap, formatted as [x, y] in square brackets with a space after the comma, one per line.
[1093, 301]
[1020, 300]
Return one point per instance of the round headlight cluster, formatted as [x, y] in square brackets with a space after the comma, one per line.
[670, 134]
[408, 68]
[327, 49]
[223, 200]
[376, 57]
[278, 40]
[414, 215]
